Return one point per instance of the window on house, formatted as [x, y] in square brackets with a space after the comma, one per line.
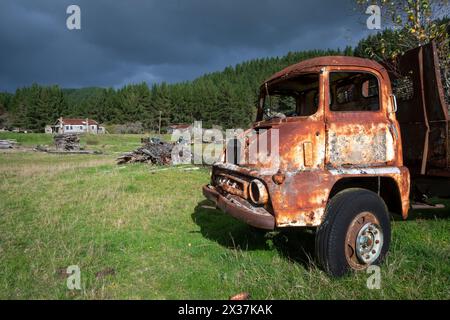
[67, 127]
[71, 128]
[81, 127]
[354, 91]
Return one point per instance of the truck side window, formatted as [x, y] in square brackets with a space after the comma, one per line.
[354, 91]
[294, 97]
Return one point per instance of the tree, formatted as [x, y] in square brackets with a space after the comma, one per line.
[411, 23]
[5, 99]
[227, 99]
[35, 106]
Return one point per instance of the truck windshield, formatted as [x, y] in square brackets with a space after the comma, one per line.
[294, 97]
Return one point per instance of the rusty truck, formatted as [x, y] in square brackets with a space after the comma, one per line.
[358, 141]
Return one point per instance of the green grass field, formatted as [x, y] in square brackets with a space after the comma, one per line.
[140, 233]
[110, 143]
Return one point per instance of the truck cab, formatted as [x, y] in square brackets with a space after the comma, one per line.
[335, 160]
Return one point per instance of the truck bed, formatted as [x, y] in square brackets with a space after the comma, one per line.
[422, 111]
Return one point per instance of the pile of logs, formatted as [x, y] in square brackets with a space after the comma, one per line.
[7, 144]
[153, 151]
[67, 142]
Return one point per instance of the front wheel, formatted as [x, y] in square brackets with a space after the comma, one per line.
[355, 234]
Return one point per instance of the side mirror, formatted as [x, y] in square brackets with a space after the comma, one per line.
[394, 102]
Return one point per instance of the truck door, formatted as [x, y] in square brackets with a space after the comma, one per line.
[358, 129]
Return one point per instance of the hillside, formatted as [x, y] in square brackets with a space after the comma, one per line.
[225, 98]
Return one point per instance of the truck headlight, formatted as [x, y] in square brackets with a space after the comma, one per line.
[258, 192]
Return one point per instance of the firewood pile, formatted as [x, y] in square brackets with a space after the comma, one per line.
[153, 151]
[7, 144]
[67, 142]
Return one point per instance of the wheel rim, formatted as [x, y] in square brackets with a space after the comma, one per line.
[364, 241]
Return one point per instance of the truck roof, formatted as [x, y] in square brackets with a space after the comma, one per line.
[313, 64]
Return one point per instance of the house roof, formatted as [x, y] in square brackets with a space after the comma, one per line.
[78, 122]
[179, 126]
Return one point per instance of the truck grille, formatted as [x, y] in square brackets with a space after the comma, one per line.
[232, 185]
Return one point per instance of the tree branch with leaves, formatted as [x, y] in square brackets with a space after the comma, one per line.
[409, 24]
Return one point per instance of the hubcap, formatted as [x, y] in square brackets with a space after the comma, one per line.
[369, 243]
[364, 241]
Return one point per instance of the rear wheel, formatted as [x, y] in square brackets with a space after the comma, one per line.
[355, 234]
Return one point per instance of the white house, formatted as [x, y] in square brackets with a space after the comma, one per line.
[70, 125]
[181, 127]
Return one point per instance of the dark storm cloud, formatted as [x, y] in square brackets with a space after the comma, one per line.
[168, 40]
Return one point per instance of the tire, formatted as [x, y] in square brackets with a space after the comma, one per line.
[355, 233]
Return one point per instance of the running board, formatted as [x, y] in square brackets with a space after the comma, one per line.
[425, 206]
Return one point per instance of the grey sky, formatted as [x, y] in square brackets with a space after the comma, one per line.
[163, 40]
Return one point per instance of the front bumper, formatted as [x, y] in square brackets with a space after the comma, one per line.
[240, 209]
